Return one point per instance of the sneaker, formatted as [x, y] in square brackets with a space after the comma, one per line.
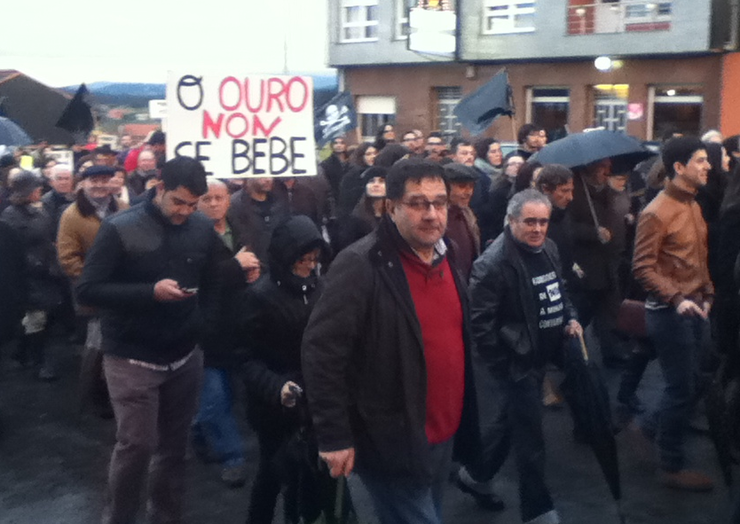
[687, 480]
[234, 476]
[489, 501]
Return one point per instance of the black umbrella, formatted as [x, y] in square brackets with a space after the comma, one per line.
[722, 403]
[11, 134]
[588, 399]
[580, 149]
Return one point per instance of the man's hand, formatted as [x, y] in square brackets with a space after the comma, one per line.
[574, 329]
[605, 235]
[289, 394]
[167, 290]
[249, 263]
[687, 308]
[339, 462]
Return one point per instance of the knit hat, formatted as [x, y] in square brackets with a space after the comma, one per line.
[373, 172]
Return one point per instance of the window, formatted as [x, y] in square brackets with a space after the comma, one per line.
[359, 21]
[373, 112]
[676, 108]
[618, 16]
[447, 99]
[548, 107]
[610, 106]
[501, 17]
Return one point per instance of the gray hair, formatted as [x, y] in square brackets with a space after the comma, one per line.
[712, 136]
[518, 201]
[215, 182]
[60, 168]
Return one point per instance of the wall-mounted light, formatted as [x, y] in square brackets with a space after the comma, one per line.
[581, 11]
[671, 92]
[603, 63]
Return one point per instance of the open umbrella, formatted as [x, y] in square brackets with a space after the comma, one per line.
[11, 134]
[580, 149]
[588, 399]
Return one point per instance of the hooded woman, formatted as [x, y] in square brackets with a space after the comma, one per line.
[367, 213]
[277, 311]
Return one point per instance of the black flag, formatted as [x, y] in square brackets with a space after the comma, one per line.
[335, 118]
[77, 117]
[481, 107]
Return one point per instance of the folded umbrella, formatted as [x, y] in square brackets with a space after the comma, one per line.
[11, 134]
[586, 394]
[581, 149]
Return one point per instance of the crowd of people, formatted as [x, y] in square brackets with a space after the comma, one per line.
[396, 312]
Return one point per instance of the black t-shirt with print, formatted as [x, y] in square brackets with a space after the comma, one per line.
[549, 301]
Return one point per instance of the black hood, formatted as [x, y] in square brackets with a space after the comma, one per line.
[290, 240]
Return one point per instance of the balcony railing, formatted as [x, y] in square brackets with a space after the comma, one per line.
[618, 17]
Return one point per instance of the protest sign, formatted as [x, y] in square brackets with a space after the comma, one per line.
[241, 125]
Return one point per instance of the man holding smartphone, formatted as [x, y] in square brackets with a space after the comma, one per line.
[152, 272]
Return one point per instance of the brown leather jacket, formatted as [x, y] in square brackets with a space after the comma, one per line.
[670, 259]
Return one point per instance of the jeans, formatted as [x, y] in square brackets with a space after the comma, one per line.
[677, 340]
[510, 412]
[153, 411]
[215, 425]
[409, 501]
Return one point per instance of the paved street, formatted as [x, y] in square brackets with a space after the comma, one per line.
[53, 463]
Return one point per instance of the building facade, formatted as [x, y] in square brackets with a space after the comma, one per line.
[662, 65]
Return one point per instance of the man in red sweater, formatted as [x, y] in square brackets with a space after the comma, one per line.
[386, 357]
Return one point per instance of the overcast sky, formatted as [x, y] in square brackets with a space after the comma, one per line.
[69, 42]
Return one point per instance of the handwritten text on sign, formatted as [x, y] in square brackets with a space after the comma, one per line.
[242, 126]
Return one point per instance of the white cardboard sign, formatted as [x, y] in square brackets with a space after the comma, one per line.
[242, 125]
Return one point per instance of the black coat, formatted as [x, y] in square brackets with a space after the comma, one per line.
[595, 259]
[504, 313]
[34, 228]
[276, 312]
[134, 250]
[364, 367]
[255, 226]
[221, 338]
[55, 203]
[13, 284]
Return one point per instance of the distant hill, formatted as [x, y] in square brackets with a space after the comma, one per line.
[139, 94]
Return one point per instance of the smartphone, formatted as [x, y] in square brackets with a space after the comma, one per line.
[296, 391]
[190, 290]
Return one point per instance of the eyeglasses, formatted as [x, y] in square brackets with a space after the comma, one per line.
[423, 204]
[531, 221]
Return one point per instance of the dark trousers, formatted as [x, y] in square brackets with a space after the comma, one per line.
[408, 501]
[268, 482]
[153, 411]
[510, 412]
[677, 341]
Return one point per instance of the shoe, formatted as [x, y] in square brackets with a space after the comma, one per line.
[687, 480]
[234, 476]
[489, 501]
[47, 374]
[631, 403]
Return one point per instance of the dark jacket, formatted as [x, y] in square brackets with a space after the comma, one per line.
[254, 224]
[276, 312]
[334, 170]
[351, 189]
[595, 258]
[299, 200]
[560, 231]
[221, 338]
[503, 310]
[13, 284]
[34, 228]
[55, 203]
[132, 252]
[364, 366]
[491, 219]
